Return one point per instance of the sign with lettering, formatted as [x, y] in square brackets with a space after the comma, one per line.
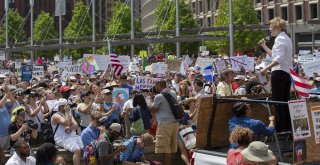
[306, 58]
[159, 68]
[70, 70]
[125, 61]
[144, 83]
[204, 62]
[315, 112]
[2, 56]
[242, 62]
[37, 71]
[220, 66]
[311, 67]
[299, 119]
[101, 60]
[26, 72]
[173, 65]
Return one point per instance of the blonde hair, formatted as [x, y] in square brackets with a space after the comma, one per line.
[278, 23]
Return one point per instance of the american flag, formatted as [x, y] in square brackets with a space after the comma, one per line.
[301, 85]
[115, 64]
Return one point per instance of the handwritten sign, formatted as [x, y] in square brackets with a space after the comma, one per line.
[69, 71]
[159, 68]
[315, 112]
[144, 83]
[311, 67]
[38, 71]
[242, 62]
[203, 62]
[2, 56]
[88, 65]
[101, 60]
[299, 119]
[173, 65]
[306, 58]
[220, 66]
[125, 61]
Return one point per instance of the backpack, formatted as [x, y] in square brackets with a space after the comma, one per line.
[92, 151]
[48, 133]
[176, 109]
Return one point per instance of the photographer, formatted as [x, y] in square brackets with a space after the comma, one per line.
[66, 127]
[21, 128]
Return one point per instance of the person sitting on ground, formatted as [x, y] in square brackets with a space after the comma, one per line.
[242, 137]
[46, 154]
[134, 152]
[257, 153]
[105, 152]
[241, 117]
[22, 154]
[141, 110]
[65, 135]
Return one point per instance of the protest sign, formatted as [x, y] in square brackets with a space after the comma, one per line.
[70, 70]
[101, 60]
[187, 62]
[2, 56]
[173, 65]
[299, 119]
[63, 64]
[38, 71]
[304, 52]
[306, 58]
[26, 72]
[311, 67]
[88, 65]
[17, 64]
[242, 62]
[56, 58]
[220, 66]
[159, 68]
[144, 83]
[133, 67]
[315, 112]
[203, 62]
[125, 61]
[120, 96]
[300, 151]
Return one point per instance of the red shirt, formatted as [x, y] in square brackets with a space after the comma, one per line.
[235, 158]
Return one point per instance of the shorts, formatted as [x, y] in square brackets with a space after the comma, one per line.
[166, 138]
[71, 143]
[5, 142]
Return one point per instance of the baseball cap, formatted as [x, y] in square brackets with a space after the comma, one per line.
[116, 127]
[257, 152]
[105, 91]
[240, 77]
[64, 88]
[317, 79]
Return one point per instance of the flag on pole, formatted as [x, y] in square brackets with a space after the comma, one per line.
[115, 64]
[301, 85]
[207, 73]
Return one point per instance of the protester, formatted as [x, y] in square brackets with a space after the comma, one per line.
[22, 154]
[257, 153]
[111, 109]
[316, 89]
[224, 87]
[140, 110]
[241, 117]
[168, 126]
[126, 111]
[241, 90]
[46, 154]
[281, 54]
[85, 108]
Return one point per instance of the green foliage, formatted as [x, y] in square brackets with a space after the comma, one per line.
[80, 25]
[166, 14]
[120, 23]
[16, 32]
[243, 14]
[43, 30]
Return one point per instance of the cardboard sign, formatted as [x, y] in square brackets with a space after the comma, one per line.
[144, 83]
[299, 119]
[2, 56]
[173, 65]
[38, 71]
[315, 112]
[88, 65]
[125, 61]
[159, 68]
[203, 62]
[311, 67]
[101, 60]
[26, 72]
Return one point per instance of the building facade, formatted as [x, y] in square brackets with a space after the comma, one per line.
[204, 11]
[148, 17]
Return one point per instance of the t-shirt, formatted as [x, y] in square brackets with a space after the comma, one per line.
[85, 118]
[115, 115]
[133, 152]
[164, 113]
[235, 158]
[4, 121]
[105, 148]
[13, 128]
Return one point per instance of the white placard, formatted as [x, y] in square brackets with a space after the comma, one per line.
[203, 62]
[63, 65]
[311, 67]
[17, 64]
[306, 58]
[101, 60]
[299, 119]
[37, 71]
[69, 71]
[125, 61]
[133, 67]
[144, 83]
[220, 66]
[2, 56]
[315, 112]
[56, 58]
[187, 61]
[304, 52]
[158, 68]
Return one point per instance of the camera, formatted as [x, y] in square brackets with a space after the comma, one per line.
[32, 124]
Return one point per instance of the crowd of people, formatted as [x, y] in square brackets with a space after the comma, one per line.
[81, 115]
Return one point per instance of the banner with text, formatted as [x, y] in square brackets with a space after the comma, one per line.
[159, 68]
[144, 83]
[311, 67]
[299, 119]
[38, 71]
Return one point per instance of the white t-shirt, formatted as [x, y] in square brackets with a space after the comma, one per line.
[16, 160]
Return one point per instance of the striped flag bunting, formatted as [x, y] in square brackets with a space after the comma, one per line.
[116, 64]
[301, 85]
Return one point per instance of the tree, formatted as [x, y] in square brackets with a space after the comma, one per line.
[120, 23]
[243, 39]
[16, 32]
[43, 30]
[166, 20]
[79, 26]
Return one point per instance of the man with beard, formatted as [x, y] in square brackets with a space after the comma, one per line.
[22, 154]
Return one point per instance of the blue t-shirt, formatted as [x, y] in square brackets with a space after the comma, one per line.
[257, 126]
[133, 152]
[4, 121]
[88, 135]
[315, 90]
[146, 116]
[115, 115]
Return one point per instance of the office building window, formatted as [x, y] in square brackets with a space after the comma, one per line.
[271, 14]
[193, 7]
[298, 12]
[209, 5]
[259, 17]
[313, 11]
[284, 13]
[258, 1]
[209, 21]
[200, 6]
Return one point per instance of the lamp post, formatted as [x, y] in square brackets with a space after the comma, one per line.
[177, 30]
[231, 42]
[312, 37]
